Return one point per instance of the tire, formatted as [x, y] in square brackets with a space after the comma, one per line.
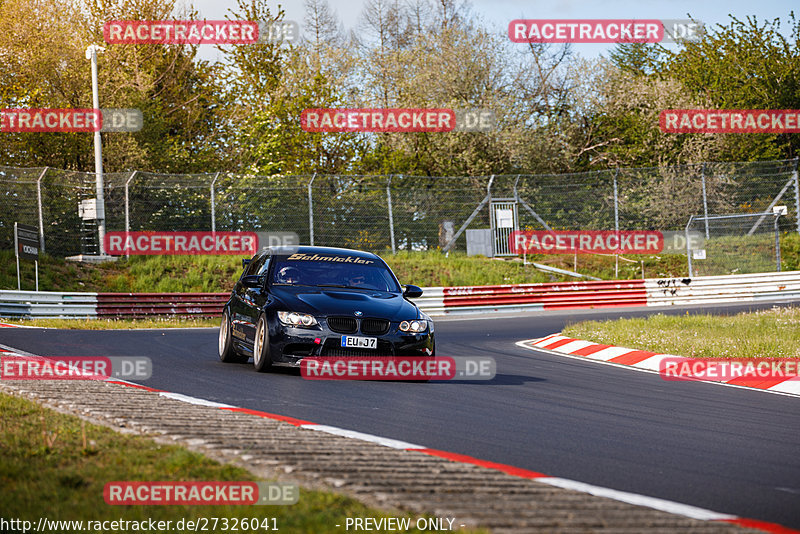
[227, 353]
[262, 360]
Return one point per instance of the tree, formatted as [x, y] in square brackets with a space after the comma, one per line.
[44, 42]
[745, 65]
[42, 66]
[626, 128]
[638, 58]
[310, 74]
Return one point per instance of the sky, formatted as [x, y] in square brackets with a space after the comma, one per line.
[498, 13]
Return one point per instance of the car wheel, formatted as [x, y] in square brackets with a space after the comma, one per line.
[261, 357]
[227, 353]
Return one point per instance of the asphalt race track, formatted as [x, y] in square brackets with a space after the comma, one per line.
[726, 449]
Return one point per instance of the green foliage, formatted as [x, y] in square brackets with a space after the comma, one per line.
[280, 146]
[745, 65]
[790, 252]
[178, 94]
[637, 58]
[43, 66]
[555, 111]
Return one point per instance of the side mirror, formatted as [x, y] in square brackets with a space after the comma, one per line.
[412, 292]
[252, 281]
[246, 262]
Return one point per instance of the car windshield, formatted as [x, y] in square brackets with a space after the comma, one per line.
[334, 271]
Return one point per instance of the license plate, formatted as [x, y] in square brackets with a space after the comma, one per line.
[355, 342]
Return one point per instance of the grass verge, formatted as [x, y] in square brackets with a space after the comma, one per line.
[117, 324]
[55, 466]
[207, 274]
[773, 333]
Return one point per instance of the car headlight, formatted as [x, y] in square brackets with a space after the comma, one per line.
[416, 326]
[427, 317]
[296, 319]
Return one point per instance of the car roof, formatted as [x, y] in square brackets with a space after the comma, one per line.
[307, 249]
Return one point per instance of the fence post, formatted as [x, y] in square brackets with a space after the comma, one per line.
[127, 212]
[311, 211]
[616, 202]
[213, 205]
[39, 202]
[705, 198]
[616, 225]
[688, 247]
[391, 216]
[796, 196]
[777, 243]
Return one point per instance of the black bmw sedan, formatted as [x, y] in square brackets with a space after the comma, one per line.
[294, 302]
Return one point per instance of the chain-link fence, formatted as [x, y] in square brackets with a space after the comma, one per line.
[734, 244]
[388, 212]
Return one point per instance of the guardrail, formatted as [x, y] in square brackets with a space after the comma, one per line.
[132, 305]
[437, 301]
[149, 304]
[723, 289]
[47, 304]
[527, 297]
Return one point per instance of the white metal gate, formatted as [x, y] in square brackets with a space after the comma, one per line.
[503, 216]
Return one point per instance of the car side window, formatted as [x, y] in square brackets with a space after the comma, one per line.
[265, 266]
[255, 266]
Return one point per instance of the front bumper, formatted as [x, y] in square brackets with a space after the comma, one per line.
[289, 344]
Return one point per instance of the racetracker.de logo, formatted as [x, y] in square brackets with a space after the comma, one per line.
[70, 120]
[396, 120]
[586, 242]
[180, 32]
[585, 31]
[604, 30]
[724, 370]
[730, 121]
[377, 368]
[378, 120]
[75, 367]
[50, 120]
[398, 368]
[181, 243]
[199, 493]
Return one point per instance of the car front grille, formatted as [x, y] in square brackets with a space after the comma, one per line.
[374, 327]
[343, 325]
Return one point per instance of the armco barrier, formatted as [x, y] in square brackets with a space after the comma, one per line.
[47, 304]
[53, 304]
[604, 294]
[149, 304]
[509, 298]
[723, 289]
[438, 301]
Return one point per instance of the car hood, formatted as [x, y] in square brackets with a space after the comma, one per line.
[334, 301]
